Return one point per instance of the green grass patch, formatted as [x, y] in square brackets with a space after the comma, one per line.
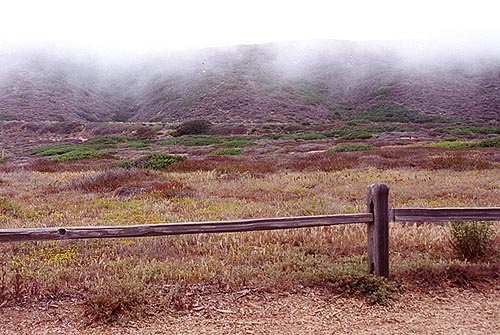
[489, 143]
[227, 152]
[207, 140]
[469, 130]
[299, 136]
[79, 154]
[138, 144]
[108, 141]
[351, 133]
[452, 144]
[96, 144]
[362, 132]
[348, 147]
[53, 150]
[159, 161]
[193, 141]
[238, 143]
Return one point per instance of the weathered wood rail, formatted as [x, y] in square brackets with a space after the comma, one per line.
[377, 217]
[444, 214]
[43, 234]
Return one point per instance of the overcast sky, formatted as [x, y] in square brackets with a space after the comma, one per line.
[118, 27]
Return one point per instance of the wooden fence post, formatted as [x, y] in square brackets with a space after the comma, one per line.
[378, 230]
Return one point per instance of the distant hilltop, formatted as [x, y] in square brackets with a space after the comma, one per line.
[293, 82]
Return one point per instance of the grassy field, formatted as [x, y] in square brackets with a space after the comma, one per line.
[124, 278]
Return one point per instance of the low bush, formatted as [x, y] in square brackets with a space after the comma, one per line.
[193, 127]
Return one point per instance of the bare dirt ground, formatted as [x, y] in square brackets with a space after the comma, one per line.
[451, 311]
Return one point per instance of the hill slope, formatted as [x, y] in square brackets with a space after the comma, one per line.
[272, 83]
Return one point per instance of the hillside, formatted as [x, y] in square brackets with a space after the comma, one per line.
[297, 83]
[42, 88]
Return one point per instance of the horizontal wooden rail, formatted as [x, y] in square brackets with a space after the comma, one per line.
[444, 214]
[64, 233]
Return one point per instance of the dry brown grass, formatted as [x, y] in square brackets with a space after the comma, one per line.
[108, 275]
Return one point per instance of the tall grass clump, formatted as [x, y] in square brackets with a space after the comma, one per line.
[471, 240]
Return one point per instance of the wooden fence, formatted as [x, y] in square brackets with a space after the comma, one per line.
[377, 217]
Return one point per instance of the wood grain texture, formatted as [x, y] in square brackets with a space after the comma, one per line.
[445, 214]
[65, 233]
[377, 202]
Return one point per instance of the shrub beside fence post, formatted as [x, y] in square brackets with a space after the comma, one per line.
[378, 230]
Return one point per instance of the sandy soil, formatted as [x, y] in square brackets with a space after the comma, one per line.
[452, 311]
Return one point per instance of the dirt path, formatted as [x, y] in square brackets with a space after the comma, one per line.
[453, 311]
